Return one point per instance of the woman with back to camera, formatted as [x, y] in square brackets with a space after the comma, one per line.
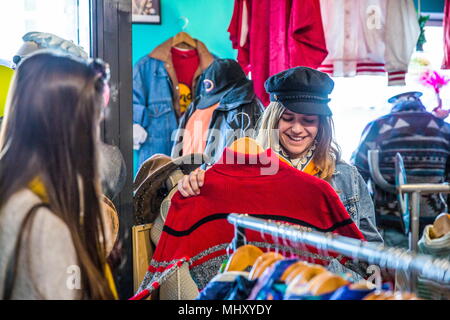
[298, 125]
[51, 226]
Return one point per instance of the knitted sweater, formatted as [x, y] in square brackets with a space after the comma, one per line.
[196, 231]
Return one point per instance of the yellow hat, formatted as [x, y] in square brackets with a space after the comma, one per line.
[6, 75]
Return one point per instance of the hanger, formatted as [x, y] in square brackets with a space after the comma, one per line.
[262, 263]
[293, 270]
[379, 296]
[303, 276]
[441, 225]
[183, 37]
[324, 283]
[246, 145]
[244, 257]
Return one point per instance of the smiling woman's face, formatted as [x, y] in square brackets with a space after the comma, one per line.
[297, 132]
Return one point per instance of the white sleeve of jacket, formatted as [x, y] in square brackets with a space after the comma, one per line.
[402, 33]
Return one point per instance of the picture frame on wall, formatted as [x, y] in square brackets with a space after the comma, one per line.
[146, 11]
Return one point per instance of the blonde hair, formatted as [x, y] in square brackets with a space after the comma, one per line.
[327, 150]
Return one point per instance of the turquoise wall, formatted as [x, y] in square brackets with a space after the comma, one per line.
[208, 22]
[430, 5]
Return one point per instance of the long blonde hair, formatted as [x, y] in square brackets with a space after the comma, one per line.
[327, 151]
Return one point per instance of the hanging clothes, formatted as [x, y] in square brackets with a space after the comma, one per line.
[272, 36]
[369, 37]
[446, 24]
[185, 63]
[156, 96]
[226, 109]
[196, 230]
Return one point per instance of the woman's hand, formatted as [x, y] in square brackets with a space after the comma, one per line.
[190, 184]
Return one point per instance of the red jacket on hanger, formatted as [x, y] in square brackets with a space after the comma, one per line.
[272, 36]
[196, 230]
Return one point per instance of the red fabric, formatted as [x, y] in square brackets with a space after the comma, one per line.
[195, 227]
[141, 295]
[185, 64]
[282, 34]
[235, 29]
[446, 62]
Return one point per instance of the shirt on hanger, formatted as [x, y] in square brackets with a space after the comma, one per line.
[369, 37]
[185, 63]
[196, 132]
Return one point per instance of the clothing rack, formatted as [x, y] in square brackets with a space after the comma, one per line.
[427, 267]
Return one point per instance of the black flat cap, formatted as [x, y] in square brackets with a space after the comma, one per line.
[301, 90]
[220, 77]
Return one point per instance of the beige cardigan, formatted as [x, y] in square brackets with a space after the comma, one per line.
[48, 262]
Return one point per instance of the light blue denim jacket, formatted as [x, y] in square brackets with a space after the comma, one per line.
[152, 106]
[353, 192]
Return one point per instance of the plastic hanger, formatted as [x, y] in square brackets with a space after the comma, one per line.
[244, 257]
[246, 145]
[262, 262]
[304, 276]
[324, 283]
[293, 270]
[184, 37]
[441, 225]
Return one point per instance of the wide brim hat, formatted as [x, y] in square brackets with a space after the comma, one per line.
[150, 183]
[111, 223]
[222, 76]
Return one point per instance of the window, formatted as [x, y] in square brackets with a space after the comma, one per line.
[68, 19]
[358, 100]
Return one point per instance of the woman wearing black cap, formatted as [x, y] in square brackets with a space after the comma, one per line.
[298, 125]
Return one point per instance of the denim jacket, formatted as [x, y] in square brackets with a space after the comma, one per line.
[353, 192]
[156, 98]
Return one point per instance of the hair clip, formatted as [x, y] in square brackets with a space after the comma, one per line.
[102, 68]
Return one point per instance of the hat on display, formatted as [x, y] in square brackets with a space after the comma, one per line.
[219, 78]
[111, 223]
[154, 180]
[34, 41]
[301, 90]
[407, 101]
[405, 96]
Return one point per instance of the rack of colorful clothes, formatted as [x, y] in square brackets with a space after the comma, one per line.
[412, 265]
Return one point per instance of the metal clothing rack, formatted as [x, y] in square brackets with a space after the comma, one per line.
[427, 267]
